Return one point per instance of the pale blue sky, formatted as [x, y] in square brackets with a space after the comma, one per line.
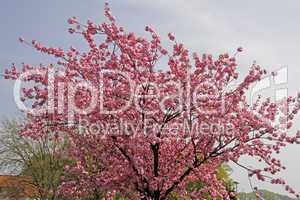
[268, 31]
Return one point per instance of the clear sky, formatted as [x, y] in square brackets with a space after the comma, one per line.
[268, 31]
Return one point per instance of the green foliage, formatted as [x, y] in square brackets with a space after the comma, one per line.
[223, 174]
[41, 159]
[267, 195]
[46, 170]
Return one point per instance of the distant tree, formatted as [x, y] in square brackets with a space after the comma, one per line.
[265, 194]
[40, 161]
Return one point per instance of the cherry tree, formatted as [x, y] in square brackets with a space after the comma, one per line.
[146, 119]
